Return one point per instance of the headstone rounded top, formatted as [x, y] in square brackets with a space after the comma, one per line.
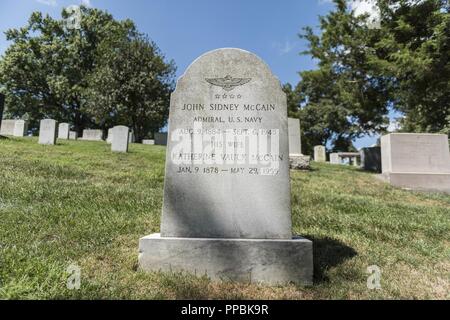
[121, 128]
[229, 68]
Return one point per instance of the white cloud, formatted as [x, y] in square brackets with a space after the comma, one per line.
[86, 3]
[361, 7]
[51, 3]
[369, 7]
[284, 48]
[394, 125]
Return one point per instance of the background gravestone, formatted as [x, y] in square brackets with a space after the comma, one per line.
[47, 132]
[148, 141]
[20, 128]
[160, 138]
[2, 105]
[92, 135]
[120, 139]
[63, 131]
[296, 159]
[320, 154]
[416, 161]
[228, 219]
[334, 158]
[131, 137]
[110, 136]
[7, 127]
[73, 135]
[295, 145]
[371, 159]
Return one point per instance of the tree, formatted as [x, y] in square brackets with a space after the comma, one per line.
[363, 71]
[132, 86]
[50, 70]
[416, 54]
[347, 96]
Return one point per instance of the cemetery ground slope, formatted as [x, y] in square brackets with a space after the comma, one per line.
[77, 203]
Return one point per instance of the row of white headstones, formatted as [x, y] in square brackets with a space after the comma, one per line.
[119, 136]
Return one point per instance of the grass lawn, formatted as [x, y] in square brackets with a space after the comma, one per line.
[77, 203]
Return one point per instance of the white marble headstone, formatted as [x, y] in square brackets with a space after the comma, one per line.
[148, 141]
[131, 138]
[295, 145]
[63, 131]
[47, 132]
[120, 139]
[7, 127]
[20, 128]
[73, 135]
[227, 165]
[110, 135]
[320, 154]
[334, 158]
[92, 135]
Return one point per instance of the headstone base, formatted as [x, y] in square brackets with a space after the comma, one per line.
[265, 261]
[299, 162]
[439, 182]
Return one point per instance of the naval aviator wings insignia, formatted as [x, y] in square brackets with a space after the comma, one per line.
[228, 83]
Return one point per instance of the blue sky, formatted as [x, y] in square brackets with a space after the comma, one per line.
[184, 29]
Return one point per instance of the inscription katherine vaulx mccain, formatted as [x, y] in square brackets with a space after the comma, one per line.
[228, 83]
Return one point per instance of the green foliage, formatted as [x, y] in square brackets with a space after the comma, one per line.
[416, 55]
[363, 71]
[132, 86]
[346, 96]
[93, 76]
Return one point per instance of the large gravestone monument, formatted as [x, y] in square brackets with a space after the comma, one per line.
[416, 161]
[226, 209]
[120, 139]
[63, 131]
[47, 132]
[320, 154]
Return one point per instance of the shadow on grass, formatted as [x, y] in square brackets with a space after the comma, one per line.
[328, 253]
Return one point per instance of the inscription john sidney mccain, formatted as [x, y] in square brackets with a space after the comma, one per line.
[227, 166]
